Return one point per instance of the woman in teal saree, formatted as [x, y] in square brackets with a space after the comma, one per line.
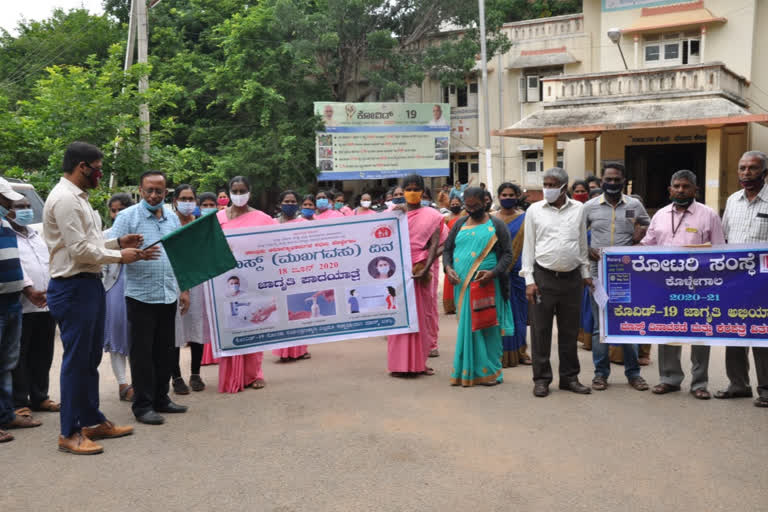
[479, 248]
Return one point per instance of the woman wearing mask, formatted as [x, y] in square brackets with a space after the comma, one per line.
[222, 199]
[512, 215]
[207, 206]
[116, 340]
[308, 207]
[189, 327]
[456, 207]
[239, 372]
[365, 205]
[324, 207]
[407, 353]
[479, 249]
[580, 191]
[339, 205]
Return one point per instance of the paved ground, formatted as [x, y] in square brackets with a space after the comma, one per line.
[336, 433]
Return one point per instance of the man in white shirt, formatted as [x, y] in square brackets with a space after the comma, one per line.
[556, 269]
[437, 117]
[745, 221]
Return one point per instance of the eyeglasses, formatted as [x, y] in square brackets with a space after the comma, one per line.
[98, 169]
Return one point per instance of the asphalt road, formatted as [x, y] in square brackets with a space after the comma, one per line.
[336, 433]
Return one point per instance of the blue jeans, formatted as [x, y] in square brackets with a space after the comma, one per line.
[10, 343]
[600, 355]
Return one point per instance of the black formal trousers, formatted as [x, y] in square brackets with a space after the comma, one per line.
[737, 368]
[31, 376]
[561, 297]
[151, 328]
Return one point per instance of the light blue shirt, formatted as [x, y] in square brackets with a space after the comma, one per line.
[153, 281]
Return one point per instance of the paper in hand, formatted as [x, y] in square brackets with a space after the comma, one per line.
[601, 298]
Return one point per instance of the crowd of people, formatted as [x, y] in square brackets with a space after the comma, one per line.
[507, 265]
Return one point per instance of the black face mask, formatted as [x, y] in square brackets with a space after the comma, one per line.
[682, 201]
[477, 214]
[488, 207]
[612, 189]
[455, 209]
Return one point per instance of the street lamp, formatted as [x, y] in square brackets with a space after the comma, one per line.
[614, 35]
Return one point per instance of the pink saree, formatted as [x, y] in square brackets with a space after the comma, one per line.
[298, 351]
[238, 372]
[327, 214]
[407, 353]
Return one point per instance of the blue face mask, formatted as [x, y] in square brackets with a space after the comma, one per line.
[424, 202]
[206, 211]
[3, 212]
[186, 207]
[24, 217]
[149, 207]
[322, 204]
[307, 212]
[398, 200]
[289, 210]
[338, 205]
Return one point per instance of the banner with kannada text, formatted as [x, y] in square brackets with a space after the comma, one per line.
[301, 283]
[710, 296]
[383, 140]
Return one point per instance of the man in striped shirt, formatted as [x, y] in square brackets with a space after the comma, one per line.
[746, 221]
[13, 282]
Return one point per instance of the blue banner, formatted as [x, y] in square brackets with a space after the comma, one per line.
[711, 296]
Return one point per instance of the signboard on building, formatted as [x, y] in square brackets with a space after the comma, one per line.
[615, 5]
[383, 140]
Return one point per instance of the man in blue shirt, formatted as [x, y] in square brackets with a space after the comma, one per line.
[151, 294]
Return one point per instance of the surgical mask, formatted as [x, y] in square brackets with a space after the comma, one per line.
[508, 202]
[307, 212]
[389, 204]
[398, 200]
[424, 202]
[24, 217]
[413, 196]
[477, 214]
[186, 207]
[682, 201]
[150, 207]
[206, 211]
[612, 189]
[289, 210]
[756, 183]
[581, 197]
[488, 207]
[234, 288]
[3, 212]
[240, 199]
[222, 201]
[95, 177]
[338, 205]
[383, 269]
[552, 194]
[455, 209]
[365, 204]
[322, 204]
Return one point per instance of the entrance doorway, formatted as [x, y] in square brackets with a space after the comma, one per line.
[650, 169]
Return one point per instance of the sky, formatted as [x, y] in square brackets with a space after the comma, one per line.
[11, 11]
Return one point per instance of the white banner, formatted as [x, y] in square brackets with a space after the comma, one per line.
[302, 283]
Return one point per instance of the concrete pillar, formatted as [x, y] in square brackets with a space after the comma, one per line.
[703, 44]
[590, 154]
[713, 169]
[637, 51]
[550, 151]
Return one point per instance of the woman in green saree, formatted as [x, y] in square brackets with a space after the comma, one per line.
[479, 248]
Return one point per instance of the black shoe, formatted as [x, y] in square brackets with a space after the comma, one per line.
[576, 387]
[150, 418]
[172, 408]
[196, 383]
[180, 387]
[728, 393]
[540, 390]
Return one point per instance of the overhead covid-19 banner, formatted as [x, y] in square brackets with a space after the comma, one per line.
[383, 140]
[710, 296]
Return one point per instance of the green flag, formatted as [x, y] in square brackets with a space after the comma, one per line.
[198, 251]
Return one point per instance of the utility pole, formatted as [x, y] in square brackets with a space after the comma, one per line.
[129, 50]
[142, 47]
[486, 99]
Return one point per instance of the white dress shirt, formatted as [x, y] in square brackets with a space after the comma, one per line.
[33, 254]
[555, 238]
[746, 221]
[72, 231]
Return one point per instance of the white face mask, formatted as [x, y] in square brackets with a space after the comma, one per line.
[383, 269]
[240, 199]
[389, 204]
[552, 194]
[365, 204]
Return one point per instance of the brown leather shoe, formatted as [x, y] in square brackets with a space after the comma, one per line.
[78, 444]
[107, 430]
[22, 422]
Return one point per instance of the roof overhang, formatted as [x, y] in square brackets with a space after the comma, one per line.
[542, 58]
[673, 16]
[574, 123]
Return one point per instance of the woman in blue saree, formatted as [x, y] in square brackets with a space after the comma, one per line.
[478, 248]
[515, 345]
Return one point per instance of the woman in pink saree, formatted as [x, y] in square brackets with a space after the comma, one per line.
[238, 372]
[407, 353]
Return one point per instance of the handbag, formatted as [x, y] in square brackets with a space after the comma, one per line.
[482, 300]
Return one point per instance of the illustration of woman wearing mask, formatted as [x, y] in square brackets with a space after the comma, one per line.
[381, 268]
[233, 287]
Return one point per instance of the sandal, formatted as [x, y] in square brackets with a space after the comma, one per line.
[526, 361]
[434, 353]
[48, 406]
[305, 356]
[639, 384]
[22, 422]
[599, 383]
[664, 388]
[126, 393]
[23, 411]
[701, 394]
[5, 436]
[428, 371]
[258, 384]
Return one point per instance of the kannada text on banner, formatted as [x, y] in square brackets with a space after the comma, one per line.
[302, 283]
[711, 296]
[383, 140]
